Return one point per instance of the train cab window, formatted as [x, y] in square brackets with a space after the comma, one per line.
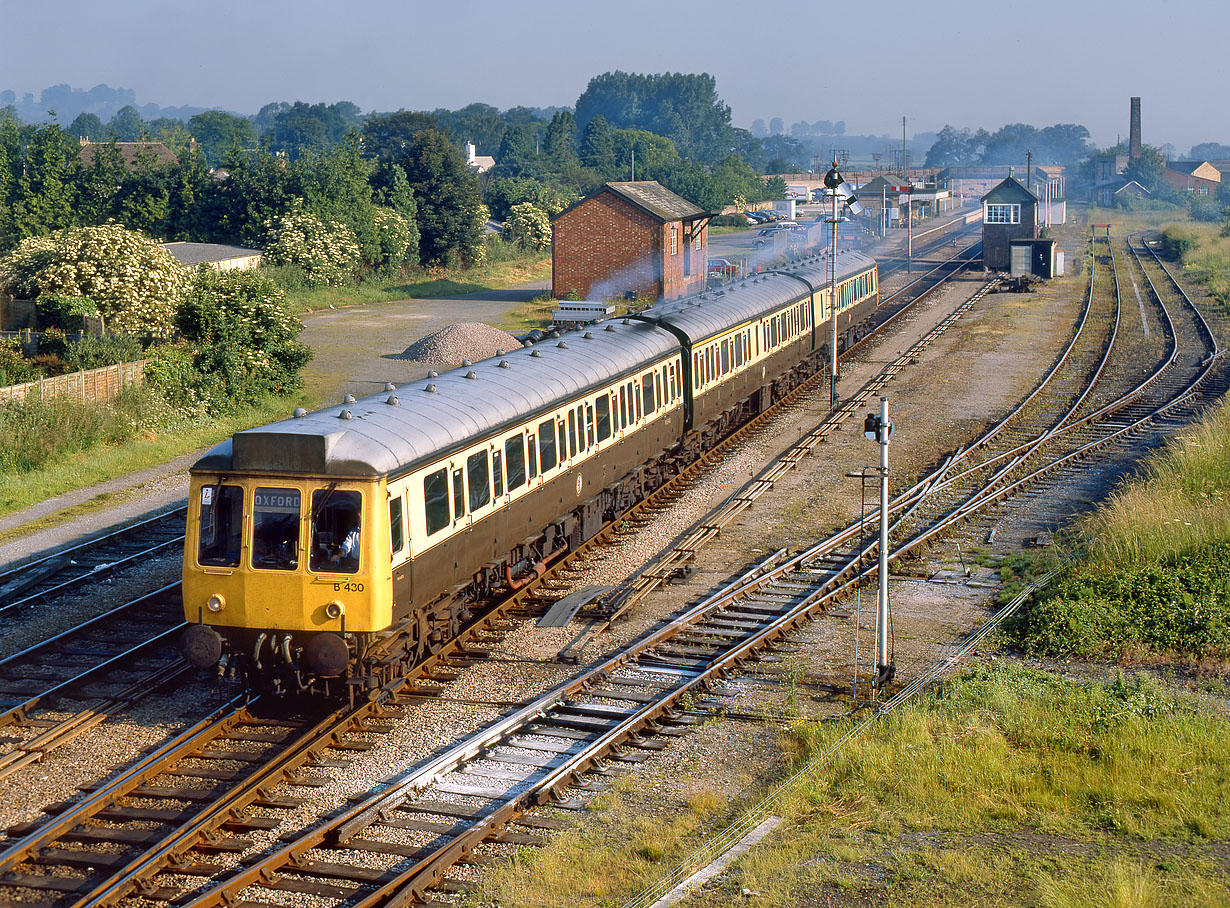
[603, 406]
[572, 433]
[647, 399]
[221, 526]
[459, 493]
[478, 475]
[397, 533]
[546, 445]
[532, 448]
[335, 530]
[497, 473]
[514, 459]
[275, 529]
[589, 425]
[435, 500]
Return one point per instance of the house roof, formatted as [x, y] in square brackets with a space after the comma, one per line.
[1131, 186]
[655, 199]
[202, 253]
[130, 152]
[1201, 169]
[1009, 190]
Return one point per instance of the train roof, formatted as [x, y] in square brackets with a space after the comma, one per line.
[394, 431]
[715, 311]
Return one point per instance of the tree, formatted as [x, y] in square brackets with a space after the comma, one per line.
[561, 139]
[449, 216]
[597, 146]
[653, 153]
[951, 147]
[327, 252]
[481, 124]
[255, 191]
[216, 131]
[134, 281]
[45, 197]
[335, 186]
[387, 137]
[87, 126]
[1147, 168]
[1210, 151]
[127, 125]
[506, 192]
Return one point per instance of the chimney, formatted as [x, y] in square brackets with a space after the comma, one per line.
[470, 152]
[1134, 131]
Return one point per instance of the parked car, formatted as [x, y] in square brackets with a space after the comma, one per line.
[723, 268]
[760, 217]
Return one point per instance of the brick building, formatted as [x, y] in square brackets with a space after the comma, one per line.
[1199, 177]
[630, 239]
[1009, 212]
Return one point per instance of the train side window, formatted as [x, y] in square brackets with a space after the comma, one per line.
[546, 444]
[497, 473]
[657, 385]
[572, 433]
[221, 526]
[633, 397]
[623, 407]
[275, 529]
[648, 402]
[478, 477]
[435, 500]
[589, 425]
[514, 457]
[335, 531]
[674, 384]
[397, 533]
[532, 448]
[459, 493]
[603, 406]
[725, 357]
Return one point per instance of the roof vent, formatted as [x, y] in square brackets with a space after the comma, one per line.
[300, 413]
[392, 401]
[609, 328]
[501, 352]
[348, 399]
[563, 345]
[588, 335]
[466, 363]
[432, 373]
[528, 343]
[389, 386]
[536, 353]
[472, 374]
[627, 321]
[504, 364]
[431, 389]
[345, 414]
[555, 334]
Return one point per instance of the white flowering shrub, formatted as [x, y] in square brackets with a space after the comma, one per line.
[398, 239]
[528, 226]
[327, 253]
[135, 283]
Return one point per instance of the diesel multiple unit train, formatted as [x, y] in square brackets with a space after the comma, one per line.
[332, 550]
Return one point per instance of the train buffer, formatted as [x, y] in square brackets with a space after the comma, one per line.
[564, 610]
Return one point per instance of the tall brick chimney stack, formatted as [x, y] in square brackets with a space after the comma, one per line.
[1134, 133]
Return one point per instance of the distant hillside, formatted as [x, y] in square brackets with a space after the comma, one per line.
[101, 100]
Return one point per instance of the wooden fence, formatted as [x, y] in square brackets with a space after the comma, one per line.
[90, 385]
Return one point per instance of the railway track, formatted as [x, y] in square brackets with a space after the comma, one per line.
[72, 569]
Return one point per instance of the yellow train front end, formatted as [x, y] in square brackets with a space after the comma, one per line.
[285, 578]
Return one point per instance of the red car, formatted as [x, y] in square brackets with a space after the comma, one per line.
[722, 268]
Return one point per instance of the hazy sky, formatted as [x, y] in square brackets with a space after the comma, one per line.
[965, 62]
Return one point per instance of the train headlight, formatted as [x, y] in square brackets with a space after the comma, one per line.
[334, 609]
[216, 603]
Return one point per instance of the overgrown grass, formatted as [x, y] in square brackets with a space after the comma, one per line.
[517, 268]
[47, 449]
[1154, 579]
[1006, 786]
[1207, 258]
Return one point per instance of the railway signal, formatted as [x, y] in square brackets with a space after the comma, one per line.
[879, 428]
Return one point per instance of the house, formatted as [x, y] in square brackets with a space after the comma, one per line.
[218, 257]
[630, 240]
[1009, 212]
[133, 154]
[479, 163]
[1199, 177]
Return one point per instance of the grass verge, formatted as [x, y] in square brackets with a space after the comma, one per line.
[1005, 786]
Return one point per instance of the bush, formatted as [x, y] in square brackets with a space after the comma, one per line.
[399, 241]
[135, 283]
[64, 311]
[528, 226]
[15, 369]
[328, 253]
[1177, 241]
[94, 352]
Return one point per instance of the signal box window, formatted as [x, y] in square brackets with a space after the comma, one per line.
[275, 529]
[335, 531]
[221, 526]
[435, 500]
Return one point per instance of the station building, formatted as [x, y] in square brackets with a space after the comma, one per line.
[630, 240]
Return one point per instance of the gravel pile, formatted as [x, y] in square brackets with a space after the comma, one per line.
[453, 343]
